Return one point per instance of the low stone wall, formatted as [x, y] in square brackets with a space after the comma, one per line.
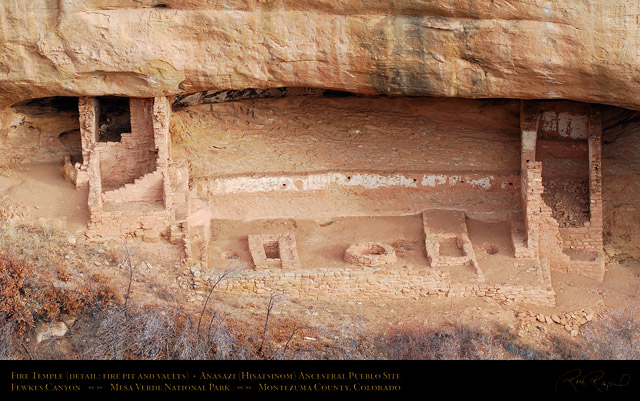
[589, 268]
[369, 284]
[147, 224]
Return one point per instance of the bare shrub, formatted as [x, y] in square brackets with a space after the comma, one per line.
[346, 341]
[218, 341]
[614, 335]
[286, 352]
[351, 342]
[7, 342]
[450, 343]
[272, 300]
[13, 273]
[231, 269]
[189, 344]
[423, 343]
[160, 333]
[31, 270]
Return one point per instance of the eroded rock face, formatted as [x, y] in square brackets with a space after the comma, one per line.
[40, 131]
[581, 50]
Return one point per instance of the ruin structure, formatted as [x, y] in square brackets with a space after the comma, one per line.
[135, 188]
[562, 150]
[553, 206]
[373, 132]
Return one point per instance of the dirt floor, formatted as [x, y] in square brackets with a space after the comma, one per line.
[38, 195]
[42, 190]
[322, 243]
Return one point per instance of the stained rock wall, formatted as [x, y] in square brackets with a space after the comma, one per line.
[620, 182]
[320, 157]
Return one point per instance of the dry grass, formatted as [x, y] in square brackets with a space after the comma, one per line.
[452, 343]
[7, 335]
[614, 335]
[158, 333]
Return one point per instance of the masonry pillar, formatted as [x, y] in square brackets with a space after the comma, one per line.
[161, 119]
[89, 112]
[529, 120]
[595, 173]
[531, 175]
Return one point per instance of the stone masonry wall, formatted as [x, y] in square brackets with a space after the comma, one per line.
[587, 238]
[89, 111]
[372, 284]
[134, 190]
[126, 194]
[160, 125]
[590, 237]
[545, 237]
[135, 155]
[532, 205]
[145, 224]
[120, 161]
[552, 240]
[596, 224]
[542, 228]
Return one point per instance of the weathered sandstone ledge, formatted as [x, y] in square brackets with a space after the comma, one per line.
[580, 50]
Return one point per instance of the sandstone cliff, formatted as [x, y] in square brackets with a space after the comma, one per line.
[584, 50]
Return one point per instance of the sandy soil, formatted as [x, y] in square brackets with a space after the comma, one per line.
[43, 190]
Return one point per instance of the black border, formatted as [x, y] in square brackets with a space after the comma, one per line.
[325, 377]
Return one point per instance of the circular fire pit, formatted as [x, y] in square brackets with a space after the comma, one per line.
[371, 254]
